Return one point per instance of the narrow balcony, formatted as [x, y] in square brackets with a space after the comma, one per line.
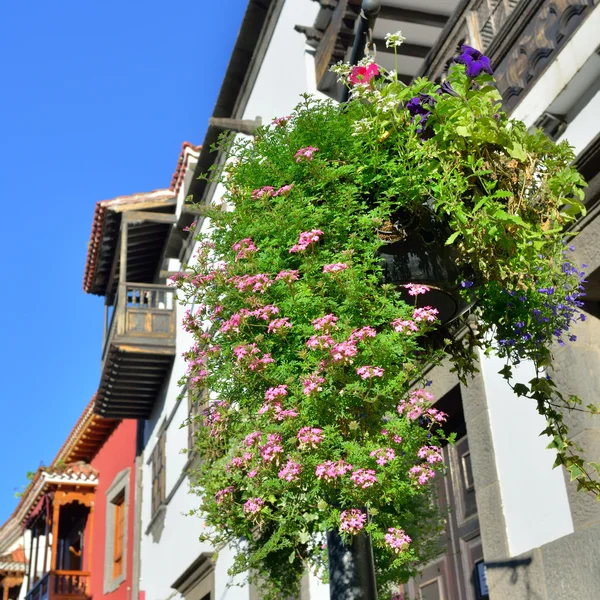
[61, 585]
[139, 347]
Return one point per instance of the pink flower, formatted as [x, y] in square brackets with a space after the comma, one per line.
[224, 494]
[253, 473]
[344, 352]
[290, 471]
[281, 414]
[312, 384]
[414, 289]
[271, 448]
[326, 323]
[281, 121]
[405, 326]
[362, 333]
[253, 505]
[287, 276]
[425, 314]
[251, 438]
[334, 268]
[417, 404]
[397, 540]
[283, 190]
[368, 372]
[315, 342]
[256, 283]
[331, 470]
[265, 312]
[260, 192]
[279, 325]
[310, 437]
[421, 474]
[363, 478]
[276, 392]
[305, 239]
[306, 153]
[352, 521]
[246, 248]
[383, 456]
[431, 454]
[362, 75]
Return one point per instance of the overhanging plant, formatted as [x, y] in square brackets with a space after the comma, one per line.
[319, 415]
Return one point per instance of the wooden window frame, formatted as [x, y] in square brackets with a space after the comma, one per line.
[118, 536]
[159, 473]
[117, 531]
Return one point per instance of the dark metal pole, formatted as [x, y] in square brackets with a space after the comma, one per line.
[351, 568]
[366, 22]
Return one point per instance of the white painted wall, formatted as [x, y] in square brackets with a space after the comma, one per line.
[561, 71]
[287, 69]
[585, 126]
[534, 496]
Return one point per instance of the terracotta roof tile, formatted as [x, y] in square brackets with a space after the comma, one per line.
[182, 164]
[98, 223]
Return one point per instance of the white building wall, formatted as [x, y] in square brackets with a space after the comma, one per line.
[534, 495]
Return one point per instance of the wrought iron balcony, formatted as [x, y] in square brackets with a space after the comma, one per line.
[61, 585]
[138, 351]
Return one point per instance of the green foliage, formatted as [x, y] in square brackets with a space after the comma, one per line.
[330, 348]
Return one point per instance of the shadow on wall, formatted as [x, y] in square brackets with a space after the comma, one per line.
[512, 579]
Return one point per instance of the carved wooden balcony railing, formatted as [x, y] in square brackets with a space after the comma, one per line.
[521, 37]
[138, 350]
[61, 585]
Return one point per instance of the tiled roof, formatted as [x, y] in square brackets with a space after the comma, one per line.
[78, 472]
[187, 150]
[98, 223]
[13, 561]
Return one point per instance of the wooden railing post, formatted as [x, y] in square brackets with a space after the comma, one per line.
[55, 515]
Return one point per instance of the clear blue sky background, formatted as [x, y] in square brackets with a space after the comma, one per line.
[95, 101]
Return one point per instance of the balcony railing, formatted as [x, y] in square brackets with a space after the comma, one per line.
[61, 585]
[139, 348]
[143, 313]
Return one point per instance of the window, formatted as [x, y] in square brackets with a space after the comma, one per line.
[117, 509]
[118, 536]
[158, 473]
[195, 407]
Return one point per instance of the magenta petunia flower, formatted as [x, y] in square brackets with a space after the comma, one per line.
[363, 74]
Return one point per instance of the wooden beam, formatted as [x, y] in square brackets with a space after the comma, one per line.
[142, 216]
[407, 15]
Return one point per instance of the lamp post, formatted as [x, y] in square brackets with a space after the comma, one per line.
[364, 34]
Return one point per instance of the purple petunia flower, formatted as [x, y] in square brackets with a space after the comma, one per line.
[475, 62]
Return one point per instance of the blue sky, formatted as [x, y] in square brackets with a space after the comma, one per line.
[96, 99]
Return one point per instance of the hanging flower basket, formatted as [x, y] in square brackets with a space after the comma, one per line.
[415, 253]
[317, 294]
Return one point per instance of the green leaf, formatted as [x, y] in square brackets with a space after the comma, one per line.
[292, 557]
[452, 238]
[576, 472]
[521, 389]
[517, 151]
[463, 131]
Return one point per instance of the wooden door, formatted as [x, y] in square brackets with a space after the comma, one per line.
[452, 576]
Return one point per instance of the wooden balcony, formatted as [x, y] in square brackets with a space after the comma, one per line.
[61, 585]
[139, 347]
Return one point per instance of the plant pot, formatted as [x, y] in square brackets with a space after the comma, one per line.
[418, 254]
